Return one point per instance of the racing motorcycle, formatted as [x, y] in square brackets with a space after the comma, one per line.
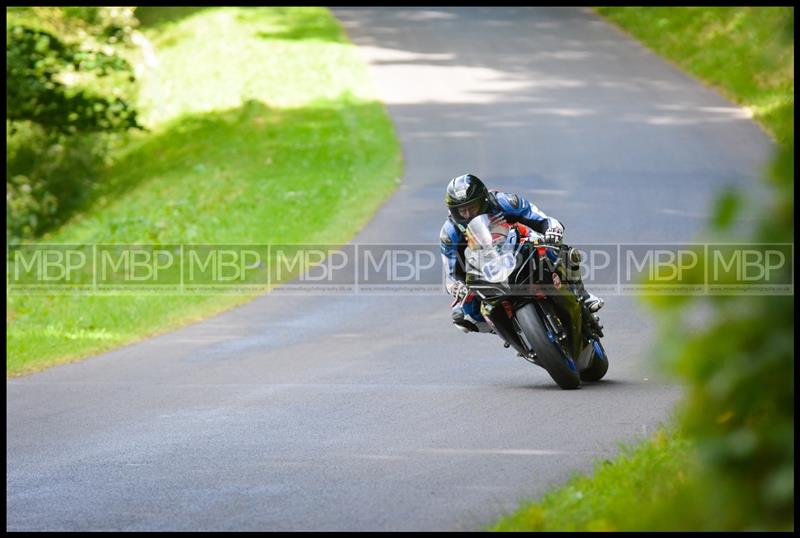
[527, 301]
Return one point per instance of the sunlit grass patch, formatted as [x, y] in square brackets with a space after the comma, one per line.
[220, 58]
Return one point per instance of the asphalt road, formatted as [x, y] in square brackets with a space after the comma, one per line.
[359, 412]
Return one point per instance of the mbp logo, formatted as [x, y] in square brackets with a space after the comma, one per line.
[662, 269]
[220, 265]
[312, 269]
[751, 268]
[392, 265]
[134, 264]
[401, 269]
[660, 265]
[721, 269]
[747, 264]
[310, 264]
[49, 264]
[598, 266]
[708, 269]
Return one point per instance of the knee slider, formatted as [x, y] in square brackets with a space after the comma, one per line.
[574, 264]
[574, 256]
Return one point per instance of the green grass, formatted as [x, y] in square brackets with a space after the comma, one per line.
[262, 129]
[744, 52]
[657, 485]
[626, 494]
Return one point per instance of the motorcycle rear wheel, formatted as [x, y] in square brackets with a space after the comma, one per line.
[599, 366]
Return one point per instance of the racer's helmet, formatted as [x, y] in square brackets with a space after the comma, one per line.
[466, 198]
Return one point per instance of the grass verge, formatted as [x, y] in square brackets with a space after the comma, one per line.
[262, 129]
[622, 495]
[741, 51]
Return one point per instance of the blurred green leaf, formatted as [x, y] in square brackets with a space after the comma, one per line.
[726, 208]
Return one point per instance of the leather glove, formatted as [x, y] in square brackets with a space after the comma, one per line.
[553, 235]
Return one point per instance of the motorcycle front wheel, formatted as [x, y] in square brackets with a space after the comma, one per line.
[548, 352]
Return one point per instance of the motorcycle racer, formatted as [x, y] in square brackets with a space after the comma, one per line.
[467, 197]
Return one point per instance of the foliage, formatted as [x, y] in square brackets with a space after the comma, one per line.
[49, 176]
[739, 410]
[67, 88]
[36, 61]
[735, 427]
[43, 65]
[739, 368]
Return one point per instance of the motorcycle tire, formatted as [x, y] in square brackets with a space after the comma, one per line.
[549, 353]
[599, 366]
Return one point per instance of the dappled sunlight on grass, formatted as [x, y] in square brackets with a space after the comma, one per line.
[252, 138]
[716, 44]
[243, 169]
[221, 58]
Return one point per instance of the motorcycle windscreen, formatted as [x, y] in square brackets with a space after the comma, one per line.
[488, 252]
[478, 230]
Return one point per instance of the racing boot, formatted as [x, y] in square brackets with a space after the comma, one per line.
[592, 301]
[461, 321]
[467, 316]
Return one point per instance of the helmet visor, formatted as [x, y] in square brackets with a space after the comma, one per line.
[467, 212]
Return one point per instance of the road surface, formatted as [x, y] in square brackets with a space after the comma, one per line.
[359, 412]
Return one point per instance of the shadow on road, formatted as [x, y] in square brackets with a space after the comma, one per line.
[603, 384]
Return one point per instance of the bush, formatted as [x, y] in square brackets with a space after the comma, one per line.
[739, 367]
[49, 176]
[66, 91]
